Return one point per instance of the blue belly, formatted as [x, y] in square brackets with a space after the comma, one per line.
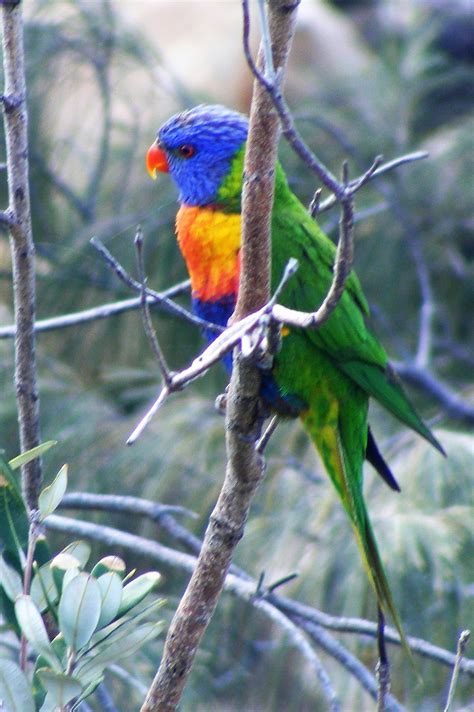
[219, 312]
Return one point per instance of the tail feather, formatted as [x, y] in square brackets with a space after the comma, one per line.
[373, 455]
[378, 578]
[345, 470]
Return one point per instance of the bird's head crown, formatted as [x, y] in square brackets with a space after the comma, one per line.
[199, 147]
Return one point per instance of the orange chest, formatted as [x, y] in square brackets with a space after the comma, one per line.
[210, 244]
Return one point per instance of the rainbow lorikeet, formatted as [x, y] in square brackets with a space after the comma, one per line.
[324, 376]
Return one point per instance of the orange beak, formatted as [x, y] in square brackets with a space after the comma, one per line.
[156, 160]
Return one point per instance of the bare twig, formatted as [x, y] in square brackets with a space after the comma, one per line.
[339, 652]
[161, 514]
[298, 640]
[104, 311]
[22, 246]
[267, 434]
[147, 323]
[462, 644]
[360, 626]
[384, 168]
[6, 219]
[137, 287]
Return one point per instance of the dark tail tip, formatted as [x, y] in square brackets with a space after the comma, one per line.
[372, 454]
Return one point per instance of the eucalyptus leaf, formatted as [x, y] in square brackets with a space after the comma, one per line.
[80, 549]
[43, 587]
[88, 690]
[32, 626]
[107, 564]
[122, 626]
[10, 580]
[70, 575]
[50, 497]
[32, 454]
[60, 689]
[61, 565]
[107, 654]
[110, 585]
[135, 591]
[14, 521]
[15, 692]
[79, 610]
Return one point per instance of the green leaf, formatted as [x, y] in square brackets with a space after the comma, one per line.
[110, 585]
[107, 564]
[30, 621]
[81, 551]
[88, 690]
[10, 580]
[79, 610]
[50, 497]
[15, 693]
[60, 689]
[14, 521]
[61, 565]
[123, 626]
[135, 591]
[43, 588]
[107, 654]
[70, 575]
[30, 455]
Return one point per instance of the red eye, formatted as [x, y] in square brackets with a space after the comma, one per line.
[186, 150]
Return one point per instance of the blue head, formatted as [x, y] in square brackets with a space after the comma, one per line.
[197, 147]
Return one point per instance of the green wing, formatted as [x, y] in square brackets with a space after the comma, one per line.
[344, 338]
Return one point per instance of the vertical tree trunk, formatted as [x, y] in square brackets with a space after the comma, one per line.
[21, 241]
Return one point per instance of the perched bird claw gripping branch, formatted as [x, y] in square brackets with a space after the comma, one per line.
[324, 376]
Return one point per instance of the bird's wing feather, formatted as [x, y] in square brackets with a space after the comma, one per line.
[344, 338]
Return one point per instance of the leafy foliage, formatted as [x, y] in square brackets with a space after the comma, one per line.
[94, 619]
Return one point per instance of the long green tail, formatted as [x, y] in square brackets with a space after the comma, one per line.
[348, 482]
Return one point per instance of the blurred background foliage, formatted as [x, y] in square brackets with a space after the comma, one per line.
[366, 77]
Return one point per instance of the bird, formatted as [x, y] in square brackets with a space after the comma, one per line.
[324, 376]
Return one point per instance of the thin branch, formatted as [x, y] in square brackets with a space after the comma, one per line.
[125, 677]
[299, 641]
[218, 348]
[137, 287]
[161, 514]
[104, 311]
[263, 441]
[339, 652]
[145, 310]
[461, 648]
[6, 219]
[363, 627]
[123, 503]
[384, 168]
[22, 246]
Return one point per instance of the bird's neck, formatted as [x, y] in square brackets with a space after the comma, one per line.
[209, 240]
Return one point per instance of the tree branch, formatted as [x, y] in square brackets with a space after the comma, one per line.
[22, 246]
